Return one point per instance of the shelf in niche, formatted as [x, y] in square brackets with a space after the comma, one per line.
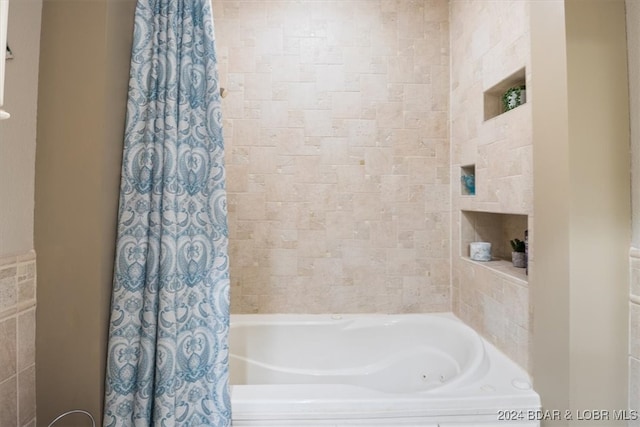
[493, 96]
[498, 229]
[503, 267]
[468, 170]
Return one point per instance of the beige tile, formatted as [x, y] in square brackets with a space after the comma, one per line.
[26, 293]
[26, 339]
[8, 288]
[634, 389]
[27, 395]
[8, 261]
[9, 402]
[346, 105]
[634, 330]
[26, 271]
[283, 262]
[317, 123]
[634, 276]
[8, 350]
[251, 206]
[331, 152]
[9, 271]
[516, 302]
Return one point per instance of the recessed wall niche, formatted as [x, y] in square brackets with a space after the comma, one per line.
[498, 229]
[468, 180]
[493, 96]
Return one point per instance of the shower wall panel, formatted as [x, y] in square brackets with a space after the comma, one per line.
[337, 141]
[490, 41]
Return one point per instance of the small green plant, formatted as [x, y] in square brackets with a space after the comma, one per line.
[517, 245]
[513, 97]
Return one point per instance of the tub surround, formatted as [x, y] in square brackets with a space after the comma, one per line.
[490, 52]
[336, 128]
[17, 340]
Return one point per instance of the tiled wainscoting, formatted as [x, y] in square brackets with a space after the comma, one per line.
[17, 340]
[634, 333]
[497, 306]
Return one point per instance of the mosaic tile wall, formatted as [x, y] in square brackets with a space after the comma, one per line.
[17, 340]
[337, 138]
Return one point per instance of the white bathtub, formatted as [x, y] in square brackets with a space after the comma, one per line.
[372, 370]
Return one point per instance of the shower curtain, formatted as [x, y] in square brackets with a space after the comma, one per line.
[167, 362]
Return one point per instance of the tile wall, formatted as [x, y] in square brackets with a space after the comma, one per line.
[17, 340]
[490, 41]
[337, 154]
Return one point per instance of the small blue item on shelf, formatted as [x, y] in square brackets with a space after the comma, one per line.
[469, 182]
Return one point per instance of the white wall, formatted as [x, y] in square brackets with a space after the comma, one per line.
[18, 134]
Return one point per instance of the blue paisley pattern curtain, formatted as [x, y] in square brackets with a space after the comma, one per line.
[168, 350]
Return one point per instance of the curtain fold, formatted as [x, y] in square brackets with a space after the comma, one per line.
[167, 362]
